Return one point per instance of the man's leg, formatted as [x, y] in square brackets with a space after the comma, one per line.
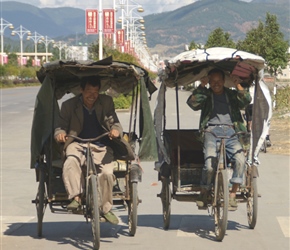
[72, 174]
[103, 157]
[236, 154]
[210, 158]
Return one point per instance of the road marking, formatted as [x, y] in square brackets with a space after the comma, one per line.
[11, 223]
[284, 223]
[193, 228]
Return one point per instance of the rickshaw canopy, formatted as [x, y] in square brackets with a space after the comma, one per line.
[190, 66]
[62, 77]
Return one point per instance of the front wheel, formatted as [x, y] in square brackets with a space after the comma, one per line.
[252, 204]
[220, 209]
[41, 199]
[132, 211]
[94, 212]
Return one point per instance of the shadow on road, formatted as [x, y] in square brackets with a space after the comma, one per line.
[79, 235]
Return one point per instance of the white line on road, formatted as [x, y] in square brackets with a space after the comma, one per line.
[284, 223]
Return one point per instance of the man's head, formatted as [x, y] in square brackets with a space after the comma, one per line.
[90, 87]
[216, 81]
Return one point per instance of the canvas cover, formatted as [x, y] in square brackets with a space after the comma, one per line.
[60, 77]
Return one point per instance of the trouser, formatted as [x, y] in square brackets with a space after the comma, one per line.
[72, 172]
[234, 153]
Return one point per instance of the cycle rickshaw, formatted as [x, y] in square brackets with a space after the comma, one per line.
[180, 151]
[63, 77]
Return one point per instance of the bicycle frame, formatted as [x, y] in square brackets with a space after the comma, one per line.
[221, 165]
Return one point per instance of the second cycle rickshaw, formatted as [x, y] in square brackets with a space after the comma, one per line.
[181, 159]
[60, 80]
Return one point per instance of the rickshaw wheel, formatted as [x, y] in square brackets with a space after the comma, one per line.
[221, 207]
[132, 210]
[252, 204]
[166, 202]
[41, 200]
[94, 212]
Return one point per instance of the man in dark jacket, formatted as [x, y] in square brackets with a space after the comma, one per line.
[220, 113]
[87, 116]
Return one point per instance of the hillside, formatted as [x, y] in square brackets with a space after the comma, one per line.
[166, 33]
[197, 20]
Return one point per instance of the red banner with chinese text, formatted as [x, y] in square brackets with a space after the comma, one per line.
[91, 21]
[108, 21]
[120, 37]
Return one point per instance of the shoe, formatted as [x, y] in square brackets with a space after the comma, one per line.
[202, 200]
[110, 217]
[233, 202]
[74, 205]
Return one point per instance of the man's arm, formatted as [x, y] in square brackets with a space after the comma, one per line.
[198, 97]
[63, 124]
[243, 96]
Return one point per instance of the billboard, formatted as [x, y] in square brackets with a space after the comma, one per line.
[91, 21]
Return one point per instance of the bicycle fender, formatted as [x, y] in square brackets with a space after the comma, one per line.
[135, 173]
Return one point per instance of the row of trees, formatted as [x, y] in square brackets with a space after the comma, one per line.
[265, 40]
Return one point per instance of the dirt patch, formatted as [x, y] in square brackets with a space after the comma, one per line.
[280, 135]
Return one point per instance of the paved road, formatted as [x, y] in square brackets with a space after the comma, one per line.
[190, 228]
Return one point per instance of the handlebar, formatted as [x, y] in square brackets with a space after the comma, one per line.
[90, 139]
[225, 137]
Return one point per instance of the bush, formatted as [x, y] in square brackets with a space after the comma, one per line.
[283, 99]
[121, 102]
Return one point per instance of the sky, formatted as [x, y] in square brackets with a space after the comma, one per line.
[149, 6]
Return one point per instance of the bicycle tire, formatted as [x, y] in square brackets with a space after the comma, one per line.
[166, 202]
[133, 207]
[221, 207]
[94, 211]
[40, 200]
[252, 204]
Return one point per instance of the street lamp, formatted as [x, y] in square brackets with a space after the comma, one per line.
[127, 7]
[4, 24]
[46, 42]
[60, 45]
[21, 32]
[36, 38]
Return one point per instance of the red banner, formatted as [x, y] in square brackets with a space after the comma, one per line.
[120, 37]
[108, 21]
[127, 46]
[91, 21]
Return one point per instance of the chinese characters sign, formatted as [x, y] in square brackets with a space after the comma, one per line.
[108, 21]
[91, 21]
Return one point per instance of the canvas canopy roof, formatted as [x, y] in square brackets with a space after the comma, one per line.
[120, 77]
[191, 66]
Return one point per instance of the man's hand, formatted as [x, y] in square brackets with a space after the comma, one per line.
[114, 133]
[61, 137]
[204, 81]
[237, 82]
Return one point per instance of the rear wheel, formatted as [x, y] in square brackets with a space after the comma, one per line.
[252, 204]
[132, 211]
[93, 208]
[41, 199]
[166, 197]
[220, 209]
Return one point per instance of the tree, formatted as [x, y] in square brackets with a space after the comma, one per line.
[267, 41]
[219, 38]
[194, 45]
